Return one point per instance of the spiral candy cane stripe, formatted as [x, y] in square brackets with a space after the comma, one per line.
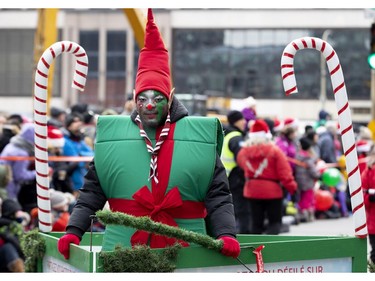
[344, 117]
[40, 120]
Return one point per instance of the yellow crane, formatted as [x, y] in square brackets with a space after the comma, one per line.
[46, 35]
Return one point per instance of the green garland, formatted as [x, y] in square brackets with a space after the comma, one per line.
[33, 247]
[141, 258]
[371, 267]
[146, 224]
[137, 259]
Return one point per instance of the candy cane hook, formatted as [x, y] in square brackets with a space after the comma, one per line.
[344, 116]
[40, 120]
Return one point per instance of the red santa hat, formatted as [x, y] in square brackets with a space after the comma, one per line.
[153, 63]
[363, 146]
[290, 123]
[259, 129]
[55, 138]
[277, 125]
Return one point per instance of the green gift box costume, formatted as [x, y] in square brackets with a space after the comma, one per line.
[185, 167]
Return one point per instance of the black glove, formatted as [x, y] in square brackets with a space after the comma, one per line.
[371, 198]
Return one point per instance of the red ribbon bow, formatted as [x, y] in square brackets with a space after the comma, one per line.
[158, 212]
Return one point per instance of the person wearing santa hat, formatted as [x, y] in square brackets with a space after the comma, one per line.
[157, 162]
[267, 174]
[61, 171]
[363, 149]
[286, 140]
[277, 126]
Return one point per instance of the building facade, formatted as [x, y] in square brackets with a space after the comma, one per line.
[218, 53]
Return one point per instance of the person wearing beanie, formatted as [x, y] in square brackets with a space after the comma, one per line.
[57, 117]
[157, 162]
[287, 139]
[249, 111]
[234, 137]
[267, 174]
[11, 255]
[323, 117]
[306, 174]
[75, 145]
[60, 207]
[22, 186]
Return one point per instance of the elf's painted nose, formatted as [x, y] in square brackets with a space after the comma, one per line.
[149, 106]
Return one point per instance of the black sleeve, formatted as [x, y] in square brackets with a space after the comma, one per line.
[91, 199]
[235, 145]
[220, 218]
[70, 167]
[12, 239]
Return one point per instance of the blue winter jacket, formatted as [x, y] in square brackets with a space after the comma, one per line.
[77, 148]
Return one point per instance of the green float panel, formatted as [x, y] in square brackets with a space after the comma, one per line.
[289, 254]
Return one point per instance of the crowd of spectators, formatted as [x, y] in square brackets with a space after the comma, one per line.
[70, 133]
[314, 153]
[278, 168]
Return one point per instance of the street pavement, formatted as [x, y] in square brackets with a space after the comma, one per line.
[324, 227]
[337, 227]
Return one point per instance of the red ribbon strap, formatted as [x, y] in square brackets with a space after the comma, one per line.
[259, 258]
[170, 207]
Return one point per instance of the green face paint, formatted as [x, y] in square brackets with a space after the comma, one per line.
[152, 107]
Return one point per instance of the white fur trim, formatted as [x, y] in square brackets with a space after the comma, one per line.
[293, 124]
[279, 127]
[260, 135]
[363, 148]
[250, 101]
[56, 142]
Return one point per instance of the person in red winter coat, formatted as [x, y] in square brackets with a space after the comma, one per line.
[368, 186]
[268, 174]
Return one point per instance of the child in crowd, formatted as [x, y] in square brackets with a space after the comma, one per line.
[306, 175]
[60, 210]
[12, 223]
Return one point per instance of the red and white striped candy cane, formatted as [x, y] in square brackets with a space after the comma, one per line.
[344, 117]
[40, 120]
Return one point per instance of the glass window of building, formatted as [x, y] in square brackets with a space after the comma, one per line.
[16, 62]
[237, 63]
[89, 40]
[116, 67]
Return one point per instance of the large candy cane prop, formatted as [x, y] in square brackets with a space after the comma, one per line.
[40, 120]
[344, 116]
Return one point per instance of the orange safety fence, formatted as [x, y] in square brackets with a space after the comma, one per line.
[50, 158]
[89, 158]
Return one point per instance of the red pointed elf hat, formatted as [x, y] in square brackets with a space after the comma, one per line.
[153, 63]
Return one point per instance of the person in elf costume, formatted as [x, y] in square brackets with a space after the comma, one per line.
[157, 162]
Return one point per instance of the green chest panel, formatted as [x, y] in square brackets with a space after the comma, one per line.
[123, 163]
